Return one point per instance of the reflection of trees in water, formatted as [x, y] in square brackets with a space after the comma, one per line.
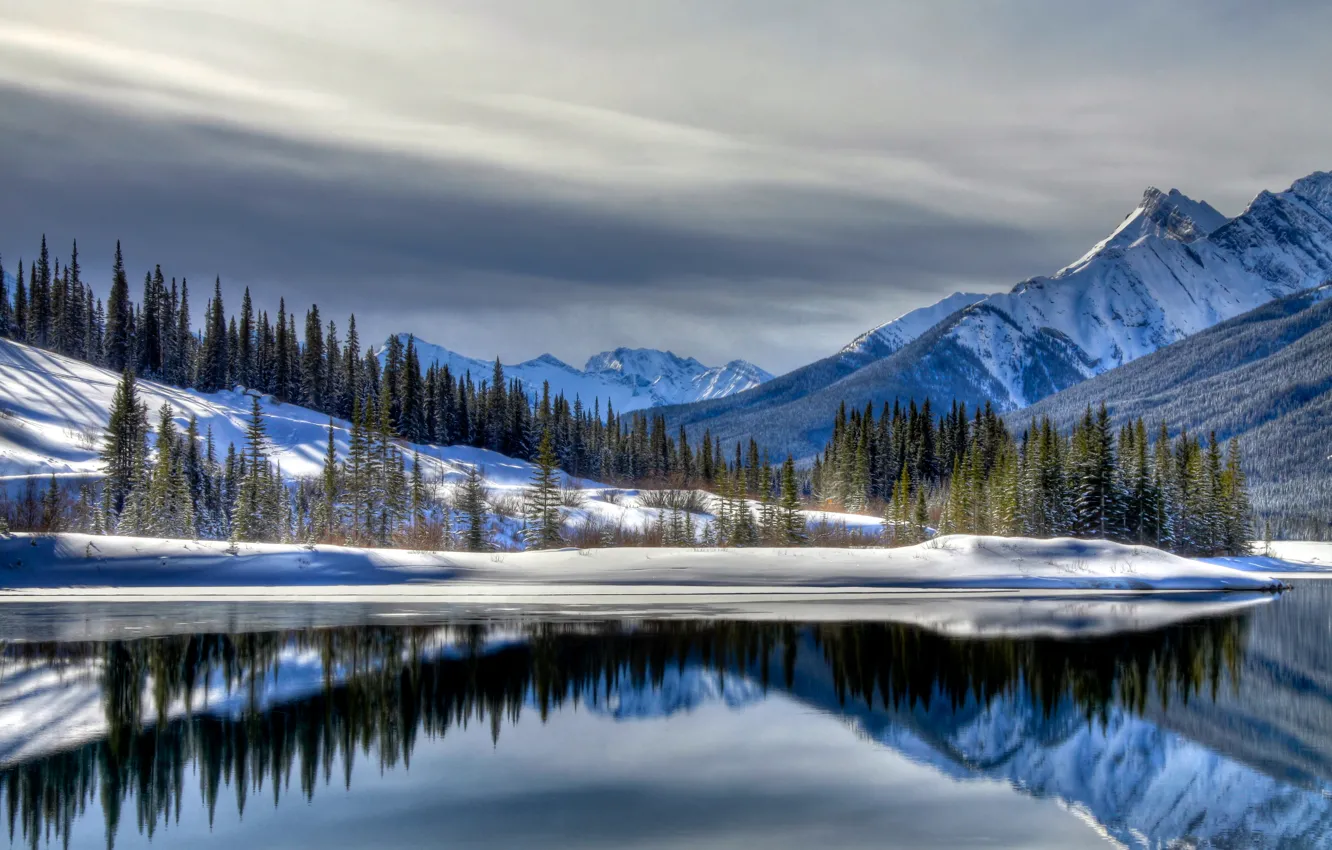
[384, 687]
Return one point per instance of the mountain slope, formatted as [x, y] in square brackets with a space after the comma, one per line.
[1157, 279]
[889, 338]
[628, 378]
[1264, 376]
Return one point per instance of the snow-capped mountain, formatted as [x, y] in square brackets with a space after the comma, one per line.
[890, 337]
[628, 378]
[1170, 214]
[1172, 268]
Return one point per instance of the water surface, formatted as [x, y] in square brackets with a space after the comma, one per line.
[345, 726]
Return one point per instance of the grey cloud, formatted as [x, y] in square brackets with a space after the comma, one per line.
[728, 179]
[406, 242]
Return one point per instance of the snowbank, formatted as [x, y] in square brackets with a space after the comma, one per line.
[1308, 552]
[79, 564]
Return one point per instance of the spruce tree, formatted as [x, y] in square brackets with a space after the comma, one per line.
[792, 522]
[118, 341]
[313, 379]
[253, 519]
[5, 312]
[170, 510]
[1238, 527]
[471, 503]
[544, 523]
[123, 448]
[327, 517]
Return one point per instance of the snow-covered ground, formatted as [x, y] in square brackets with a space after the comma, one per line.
[1311, 553]
[87, 566]
[1288, 558]
[54, 409]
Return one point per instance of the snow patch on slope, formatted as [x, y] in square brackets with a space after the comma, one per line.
[892, 336]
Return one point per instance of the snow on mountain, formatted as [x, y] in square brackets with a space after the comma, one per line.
[1145, 785]
[1173, 215]
[1173, 268]
[679, 690]
[627, 378]
[891, 337]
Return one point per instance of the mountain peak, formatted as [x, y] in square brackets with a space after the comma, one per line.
[637, 360]
[1167, 215]
[628, 378]
[1315, 190]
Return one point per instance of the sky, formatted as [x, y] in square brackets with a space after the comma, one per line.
[758, 179]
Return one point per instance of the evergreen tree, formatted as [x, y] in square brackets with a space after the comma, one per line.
[327, 516]
[1238, 528]
[312, 377]
[170, 511]
[254, 517]
[792, 523]
[544, 523]
[471, 503]
[118, 340]
[212, 373]
[5, 311]
[18, 327]
[124, 446]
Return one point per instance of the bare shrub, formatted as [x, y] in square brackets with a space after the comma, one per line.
[88, 439]
[612, 497]
[572, 496]
[839, 536]
[691, 501]
[506, 504]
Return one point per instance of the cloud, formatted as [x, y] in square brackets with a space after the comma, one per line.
[730, 180]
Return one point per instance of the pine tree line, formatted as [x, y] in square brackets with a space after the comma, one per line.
[425, 403]
[971, 476]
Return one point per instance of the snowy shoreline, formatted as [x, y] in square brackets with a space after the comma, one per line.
[102, 568]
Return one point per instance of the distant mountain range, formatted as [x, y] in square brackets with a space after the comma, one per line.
[1172, 268]
[628, 378]
[1264, 376]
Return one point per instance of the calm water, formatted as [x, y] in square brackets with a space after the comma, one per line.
[235, 727]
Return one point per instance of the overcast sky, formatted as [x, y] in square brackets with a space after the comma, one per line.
[725, 178]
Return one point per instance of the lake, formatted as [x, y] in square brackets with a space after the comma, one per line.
[348, 726]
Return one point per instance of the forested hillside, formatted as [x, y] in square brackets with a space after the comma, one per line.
[1264, 377]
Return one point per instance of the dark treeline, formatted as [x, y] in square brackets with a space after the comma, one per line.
[385, 688]
[967, 474]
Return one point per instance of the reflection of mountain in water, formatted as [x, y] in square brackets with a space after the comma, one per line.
[1145, 733]
[1144, 784]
